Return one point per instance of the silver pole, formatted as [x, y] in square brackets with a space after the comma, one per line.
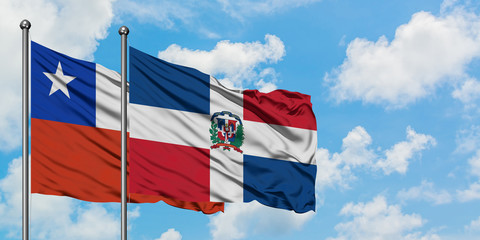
[123, 31]
[25, 26]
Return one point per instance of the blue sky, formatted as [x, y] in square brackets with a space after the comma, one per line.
[395, 89]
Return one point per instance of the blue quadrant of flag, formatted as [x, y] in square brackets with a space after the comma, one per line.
[167, 85]
[282, 184]
[79, 107]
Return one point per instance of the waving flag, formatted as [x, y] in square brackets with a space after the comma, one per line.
[76, 131]
[194, 140]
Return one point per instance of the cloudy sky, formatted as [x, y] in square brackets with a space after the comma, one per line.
[395, 88]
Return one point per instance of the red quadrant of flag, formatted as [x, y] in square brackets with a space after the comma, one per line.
[170, 170]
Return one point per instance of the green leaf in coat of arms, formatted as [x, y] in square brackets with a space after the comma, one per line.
[238, 142]
[213, 134]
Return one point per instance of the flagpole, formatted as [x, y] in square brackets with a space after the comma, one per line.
[25, 26]
[123, 31]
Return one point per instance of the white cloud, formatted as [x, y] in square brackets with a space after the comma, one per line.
[242, 9]
[397, 157]
[426, 52]
[171, 14]
[170, 234]
[468, 140]
[238, 63]
[342, 43]
[474, 226]
[241, 219]
[331, 171]
[90, 222]
[355, 150]
[72, 27]
[337, 168]
[52, 217]
[420, 236]
[11, 198]
[163, 13]
[266, 87]
[268, 78]
[470, 194]
[473, 192]
[133, 213]
[468, 93]
[474, 163]
[448, 5]
[378, 220]
[425, 192]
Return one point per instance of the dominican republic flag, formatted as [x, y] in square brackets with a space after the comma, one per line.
[75, 131]
[192, 139]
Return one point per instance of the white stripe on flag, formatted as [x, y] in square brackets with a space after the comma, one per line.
[279, 142]
[169, 126]
[226, 167]
[107, 98]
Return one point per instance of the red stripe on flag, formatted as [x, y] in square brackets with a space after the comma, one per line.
[76, 161]
[170, 170]
[84, 163]
[279, 107]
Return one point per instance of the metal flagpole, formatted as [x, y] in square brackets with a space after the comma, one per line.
[25, 26]
[123, 31]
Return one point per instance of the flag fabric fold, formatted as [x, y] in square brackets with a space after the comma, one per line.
[75, 132]
[192, 139]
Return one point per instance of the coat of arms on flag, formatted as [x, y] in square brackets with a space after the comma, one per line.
[226, 131]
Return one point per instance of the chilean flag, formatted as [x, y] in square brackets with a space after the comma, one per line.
[75, 131]
[192, 139]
